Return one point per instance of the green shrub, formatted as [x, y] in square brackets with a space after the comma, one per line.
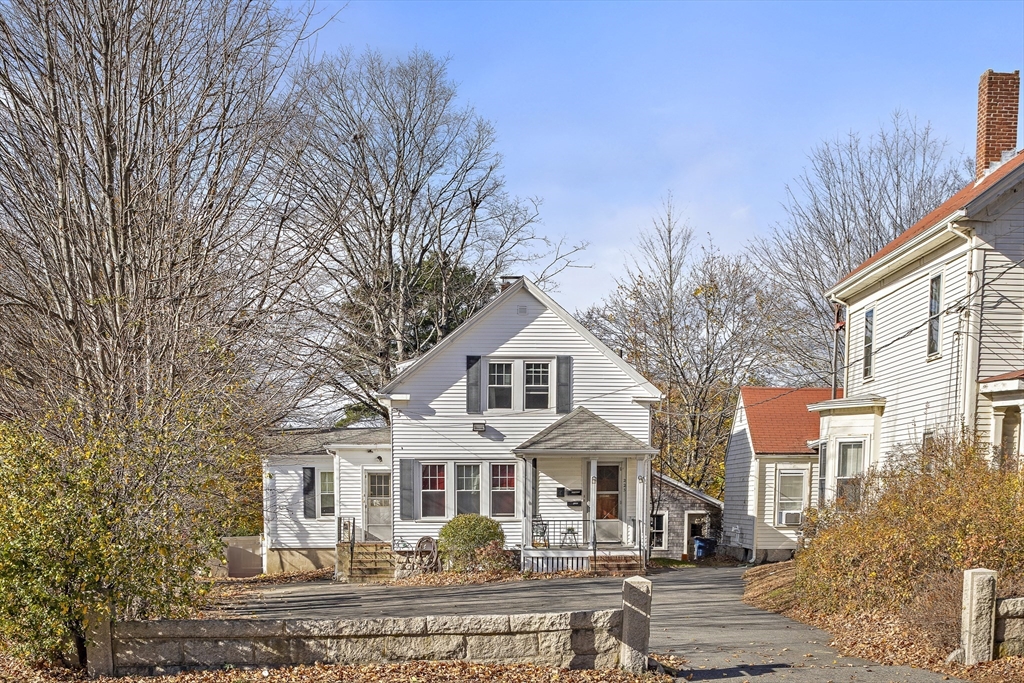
[461, 539]
[925, 516]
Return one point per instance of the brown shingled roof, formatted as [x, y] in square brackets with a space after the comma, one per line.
[778, 419]
[946, 208]
[1013, 374]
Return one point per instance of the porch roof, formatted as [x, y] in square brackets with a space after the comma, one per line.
[580, 432]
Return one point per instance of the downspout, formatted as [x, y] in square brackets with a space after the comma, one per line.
[972, 343]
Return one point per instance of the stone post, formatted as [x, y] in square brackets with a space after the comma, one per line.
[636, 624]
[978, 615]
[99, 650]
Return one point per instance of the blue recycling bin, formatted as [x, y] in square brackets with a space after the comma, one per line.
[703, 547]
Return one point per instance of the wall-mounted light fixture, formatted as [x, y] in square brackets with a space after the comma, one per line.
[479, 427]
[380, 459]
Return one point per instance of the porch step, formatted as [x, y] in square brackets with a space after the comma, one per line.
[365, 563]
[613, 565]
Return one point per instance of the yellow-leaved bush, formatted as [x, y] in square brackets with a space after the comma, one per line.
[922, 520]
[119, 522]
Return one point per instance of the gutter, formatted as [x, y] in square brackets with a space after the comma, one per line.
[880, 265]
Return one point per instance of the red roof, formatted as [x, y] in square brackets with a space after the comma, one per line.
[1013, 374]
[778, 418]
[946, 208]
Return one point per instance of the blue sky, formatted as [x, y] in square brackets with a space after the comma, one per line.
[601, 109]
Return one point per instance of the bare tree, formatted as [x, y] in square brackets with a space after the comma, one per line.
[698, 324]
[401, 186]
[855, 197]
[142, 267]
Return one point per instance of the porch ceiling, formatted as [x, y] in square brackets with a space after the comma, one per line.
[582, 432]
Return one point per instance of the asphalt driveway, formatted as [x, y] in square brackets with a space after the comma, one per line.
[698, 615]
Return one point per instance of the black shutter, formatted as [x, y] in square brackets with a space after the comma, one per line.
[563, 393]
[407, 488]
[309, 492]
[473, 403]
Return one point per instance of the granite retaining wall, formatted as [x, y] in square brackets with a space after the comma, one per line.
[576, 640]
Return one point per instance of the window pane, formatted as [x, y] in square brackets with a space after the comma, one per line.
[380, 485]
[869, 338]
[851, 459]
[327, 493]
[608, 478]
[467, 489]
[934, 296]
[607, 506]
[503, 490]
[432, 503]
[503, 503]
[933, 336]
[536, 381]
[499, 385]
[791, 492]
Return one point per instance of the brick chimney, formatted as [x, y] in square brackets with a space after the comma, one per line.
[998, 96]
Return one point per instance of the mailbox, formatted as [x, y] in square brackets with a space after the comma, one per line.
[575, 492]
[574, 503]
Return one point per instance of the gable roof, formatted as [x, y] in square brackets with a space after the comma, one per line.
[688, 489]
[537, 293]
[583, 431]
[942, 213]
[778, 420]
[316, 441]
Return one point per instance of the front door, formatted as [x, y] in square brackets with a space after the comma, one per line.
[609, 504]
[378, 506]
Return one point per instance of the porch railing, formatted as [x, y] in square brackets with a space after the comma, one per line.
[347, 530]
[560, 533]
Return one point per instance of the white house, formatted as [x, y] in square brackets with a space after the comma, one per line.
[520, 414]
[312, 481]
[771, 471]
[523, 415]
[935, 319]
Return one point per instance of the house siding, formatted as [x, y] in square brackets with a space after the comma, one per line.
[353, 464]
[921, 393]
[740, 486]
[284, 523]
[434, 425]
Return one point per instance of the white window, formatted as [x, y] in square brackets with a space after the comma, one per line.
[467, 489]
[503, 490]
[499, 386]
[822, 469]
[432, 490]
[849, 473]
[326, 494]
[789, 499]
[536, 390]
[934, 322]
[658, 531]
[869, 342]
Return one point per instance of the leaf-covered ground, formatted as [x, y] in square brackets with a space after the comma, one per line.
[885, 638]
[12, 671]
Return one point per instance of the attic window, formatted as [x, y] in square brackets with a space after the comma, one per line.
[521, 310]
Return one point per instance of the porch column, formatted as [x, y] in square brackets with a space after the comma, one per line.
[642, 484]
[528, 495]
[592, 502]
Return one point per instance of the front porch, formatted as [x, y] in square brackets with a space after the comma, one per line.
[586, 497]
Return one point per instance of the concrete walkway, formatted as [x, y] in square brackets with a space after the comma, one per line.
[698, 615]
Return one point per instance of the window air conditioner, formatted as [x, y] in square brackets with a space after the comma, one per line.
[792, 518]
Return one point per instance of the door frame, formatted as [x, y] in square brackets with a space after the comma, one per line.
[623, 466]
[364, 503]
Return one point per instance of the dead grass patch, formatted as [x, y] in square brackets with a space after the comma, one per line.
[12, 670]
